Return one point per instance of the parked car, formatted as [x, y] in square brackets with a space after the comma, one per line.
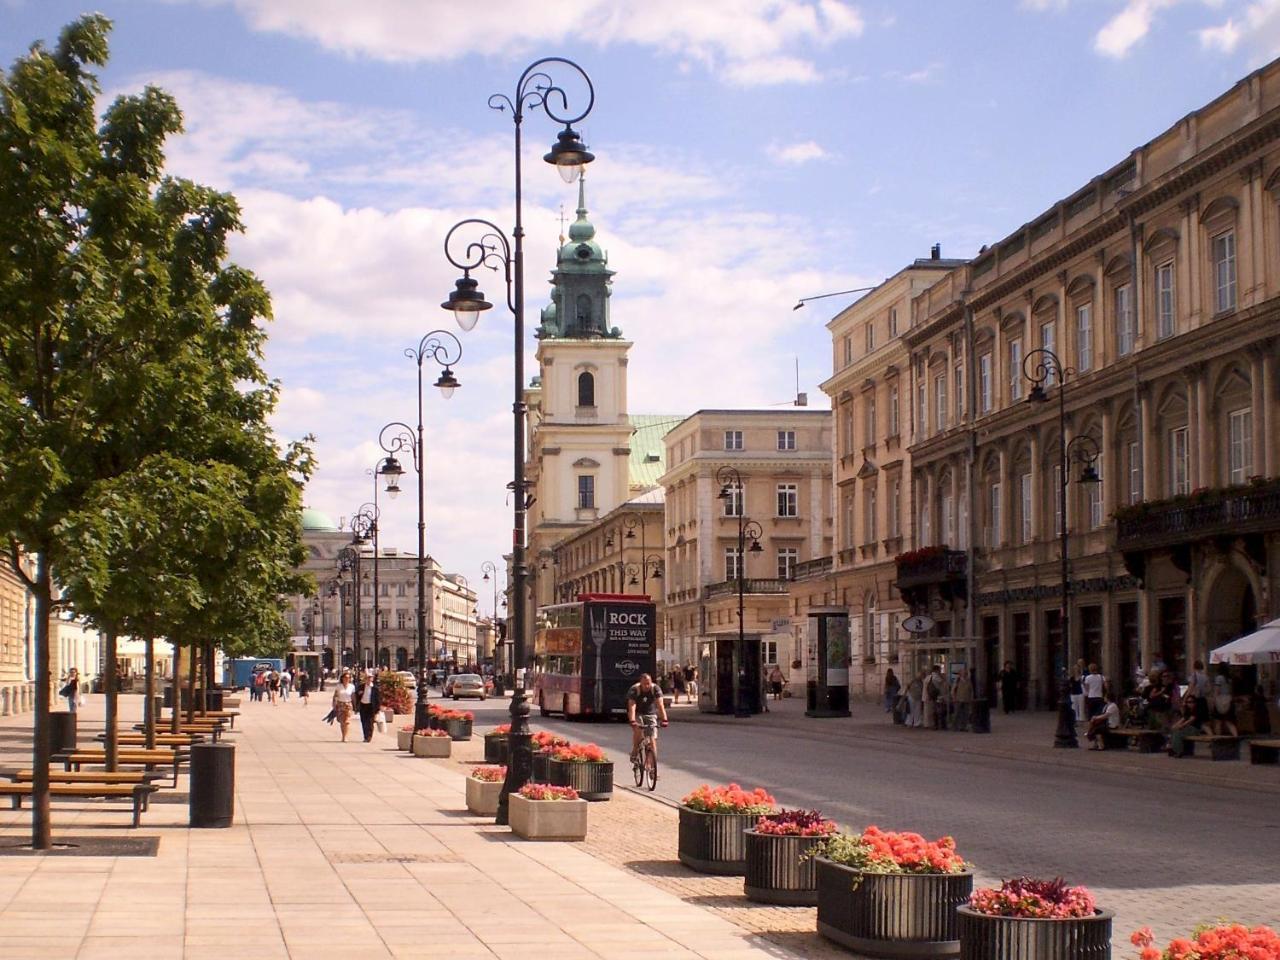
[465, 685]
[410, 680]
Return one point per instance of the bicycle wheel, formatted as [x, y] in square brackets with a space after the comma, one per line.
[637, 766]
[651, 765]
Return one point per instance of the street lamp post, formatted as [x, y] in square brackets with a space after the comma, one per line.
[349, 561]
[731, 488]
[366, 522]
[534, 90]
[490, 571]
[445, 349]
[1043, 368]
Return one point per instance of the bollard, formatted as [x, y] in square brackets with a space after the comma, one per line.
[213, 784]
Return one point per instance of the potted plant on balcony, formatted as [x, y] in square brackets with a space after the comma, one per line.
[712, 823]
[778, 868]
[1220, 941]
[404, 737]
[495, 744]
[1029, 919]
[457, 723]
[584, 767]
[539, 811]
[484, 785]
[886, 894]
[431, 743]
[543, 744]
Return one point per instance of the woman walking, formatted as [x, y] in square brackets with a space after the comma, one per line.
[891, 688]
[303, 683]
[343, 695]
[71, 689]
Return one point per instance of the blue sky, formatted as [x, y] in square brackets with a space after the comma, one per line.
[750, 152]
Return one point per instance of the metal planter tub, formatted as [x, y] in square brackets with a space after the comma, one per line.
[495, 748]
[458, 729]
[776, 872]
[891, 914]
[983, 937]
[714, 842]
[541, 767]
[593, 781]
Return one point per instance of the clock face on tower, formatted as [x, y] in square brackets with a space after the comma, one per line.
[583, 252]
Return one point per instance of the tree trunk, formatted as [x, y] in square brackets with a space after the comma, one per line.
[41, 828]
[191, 682]
[149, 692]
[175, 712]
[110, 688]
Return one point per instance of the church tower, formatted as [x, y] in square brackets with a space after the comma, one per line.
[580, 433]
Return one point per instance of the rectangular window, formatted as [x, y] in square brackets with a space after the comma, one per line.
[1049, 341]
[870, 438]
[400, 589]
[871, 337]
[893, 321]
[1056, 493]
[733, 500]
[1135, 473]
[586, 491]
[1093, 492]
[1084, 337]
[940, 402]
[402, 617]
[893, 410]
[732, 563]
[921, 408]
[1179, 482]
[733, 439]
[1224, 271]
[962, 520]
[957, 378]
[847, 428]
[1164, 300]
[847, 533]
[1240, 451]
[787, 559]
[870, 528]
[788, 499]
[895, 508]
[1015, 368]
[848, 349]
[926, 535]
[1024, 505]
[946, 519]
[786, 439]
[1124, 320]
[984, 383]
[385, 590]
[993, 515]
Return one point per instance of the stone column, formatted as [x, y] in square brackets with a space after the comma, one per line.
[1194, 272]
[1150, 448]
[1006, 495]
[1269, 456]
[1261, 415]
[1201, 437]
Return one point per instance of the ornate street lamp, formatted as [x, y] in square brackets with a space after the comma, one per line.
[535, 90]
[365, 525]
[731, 488]
[1044, 369]
[445, 349]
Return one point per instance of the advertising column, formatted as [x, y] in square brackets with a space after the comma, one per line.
[827, 684]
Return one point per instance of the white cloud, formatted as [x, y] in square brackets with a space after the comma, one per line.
[797, 153]
[733, 38]
[1119, 34]
[1257, 29]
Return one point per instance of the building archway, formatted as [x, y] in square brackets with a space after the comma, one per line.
[1230, 606]
[402, 658]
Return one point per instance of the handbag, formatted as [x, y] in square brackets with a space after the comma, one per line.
[382, 723]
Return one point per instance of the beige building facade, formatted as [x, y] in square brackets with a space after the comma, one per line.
[17, 692]
[1157, 287]
[784, 460]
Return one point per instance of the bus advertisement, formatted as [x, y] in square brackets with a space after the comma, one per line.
[588, 653]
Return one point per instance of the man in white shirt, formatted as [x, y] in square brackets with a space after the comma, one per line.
[1108, 719]
[368, 702]
[1094, 685]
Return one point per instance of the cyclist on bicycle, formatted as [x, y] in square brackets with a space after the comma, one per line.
[645, 708]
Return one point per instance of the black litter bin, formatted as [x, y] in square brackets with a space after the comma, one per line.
[213, 784]
[62, 731]
[981, 719]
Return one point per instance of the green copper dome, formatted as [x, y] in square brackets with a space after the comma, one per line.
[318, 522]
[582, 250]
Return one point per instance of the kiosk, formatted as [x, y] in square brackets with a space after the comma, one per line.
[827, 682]
[715, 674]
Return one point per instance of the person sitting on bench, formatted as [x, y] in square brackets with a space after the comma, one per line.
[1185, 726]
[1108, 719]
[1222, 709]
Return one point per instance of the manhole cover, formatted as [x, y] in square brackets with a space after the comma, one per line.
[85, 847]
[395, 858]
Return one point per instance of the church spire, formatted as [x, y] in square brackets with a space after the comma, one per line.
[582, 229]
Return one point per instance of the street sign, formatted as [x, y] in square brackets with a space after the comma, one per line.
[918, 624]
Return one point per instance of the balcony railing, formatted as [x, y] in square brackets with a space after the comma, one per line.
[1227, 512]
[727, 588]
[931, 565]
[816, 567]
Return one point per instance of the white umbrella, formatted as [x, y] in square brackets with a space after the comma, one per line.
[1261, 646]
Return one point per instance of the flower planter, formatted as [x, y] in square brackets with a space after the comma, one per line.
[547, 819]
[714, 842]
[390, 715]
[404, 739]
[541, 768]
[891, 914]
[775, 872]
[495, 748]
[983, 937]
[458, 729]
[431, 746]
[593, 781]
[482, 796]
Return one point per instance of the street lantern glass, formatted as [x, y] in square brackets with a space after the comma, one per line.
[755, 547]
[569, 155]
[1089, 475]
[447, 382]
[467, 302]
[657, 573]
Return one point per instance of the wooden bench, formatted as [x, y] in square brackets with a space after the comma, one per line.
[147, 759]
[87, 776]
[162, 739]
[135, 792]
[1264, 751]
[212, 730]
[1220, 748]
[1147, 741]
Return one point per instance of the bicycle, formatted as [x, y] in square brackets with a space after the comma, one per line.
[644, 762]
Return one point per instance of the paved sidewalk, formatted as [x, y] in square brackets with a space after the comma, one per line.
[337, 848]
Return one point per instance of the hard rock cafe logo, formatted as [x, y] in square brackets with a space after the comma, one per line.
[627, 667]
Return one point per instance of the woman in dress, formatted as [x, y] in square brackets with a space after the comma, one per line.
[343, 702]
[891, 688]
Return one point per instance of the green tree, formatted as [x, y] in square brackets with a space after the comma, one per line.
[124, 331]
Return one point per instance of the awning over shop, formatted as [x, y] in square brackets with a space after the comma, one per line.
[1261, 646]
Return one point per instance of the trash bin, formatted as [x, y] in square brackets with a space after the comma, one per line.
[213, 784]
[980, 722]
[62, 731]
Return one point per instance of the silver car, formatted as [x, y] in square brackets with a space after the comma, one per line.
[465, 685]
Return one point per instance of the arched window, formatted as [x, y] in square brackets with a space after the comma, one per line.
[583, 312]
[586, 390]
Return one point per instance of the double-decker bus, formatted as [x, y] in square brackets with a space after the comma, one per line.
[589, 652]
